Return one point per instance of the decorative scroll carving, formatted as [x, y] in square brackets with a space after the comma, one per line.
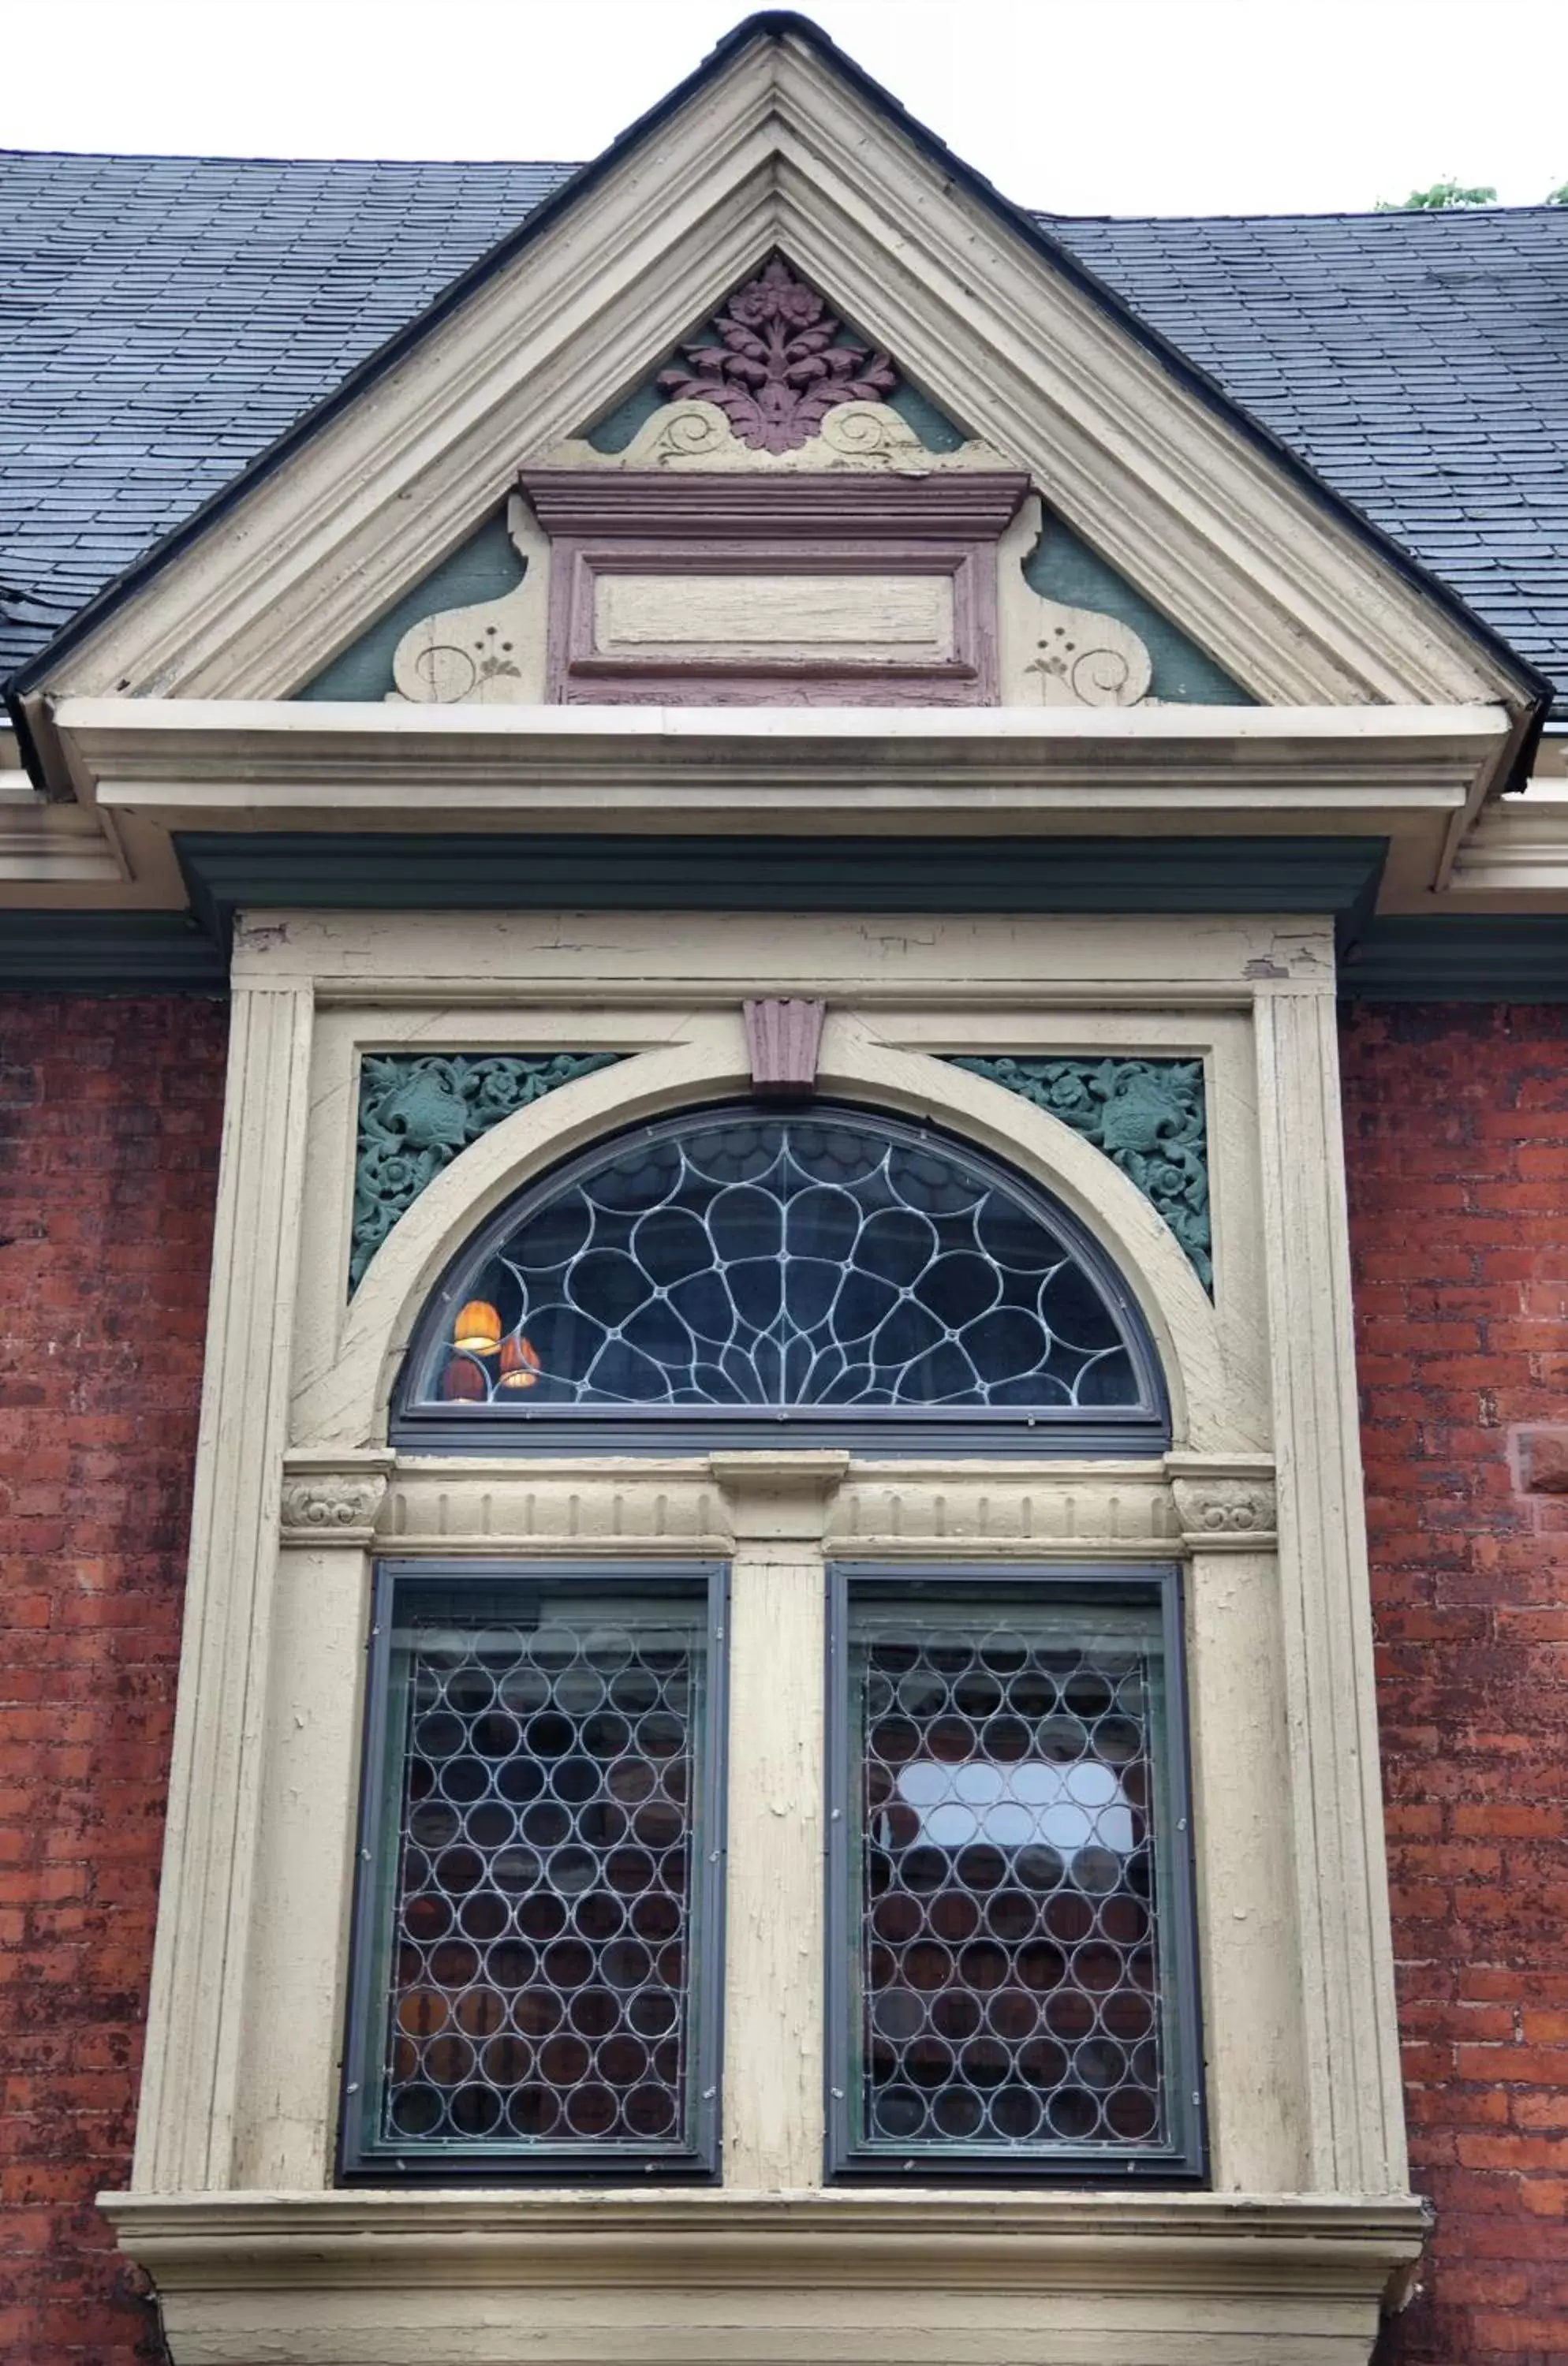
[417, 1111]
[780, 363]
[1147, 1116]
[867, 436]
[1230, 1511]
[336, 1506]
[1055, 656]
[782, 1038]
[492, 654]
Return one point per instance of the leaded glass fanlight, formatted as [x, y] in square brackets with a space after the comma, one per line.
[840, 1274]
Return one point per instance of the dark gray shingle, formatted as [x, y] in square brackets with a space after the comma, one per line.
[162, 320]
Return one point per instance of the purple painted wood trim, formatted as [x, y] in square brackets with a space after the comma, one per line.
[782, 1038]
[968, 504]
[639, 524]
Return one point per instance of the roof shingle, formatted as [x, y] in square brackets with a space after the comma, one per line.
[162, 320]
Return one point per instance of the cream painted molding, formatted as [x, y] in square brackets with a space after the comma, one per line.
[194, 2064]
[1358, 2123]
[1217, 1512]
[188, 763]
[776, 151]
[492, 652]
[869, 437]
[378, 2279]
[40, 840]
[1517, 850]
[332, 1499]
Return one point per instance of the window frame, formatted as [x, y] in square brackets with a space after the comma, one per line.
[1064, 1432]
[700, 2161]
[1183, 2160]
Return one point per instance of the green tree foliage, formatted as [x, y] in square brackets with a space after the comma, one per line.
[1441, 197]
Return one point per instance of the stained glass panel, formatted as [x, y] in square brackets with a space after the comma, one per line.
[747, 1262]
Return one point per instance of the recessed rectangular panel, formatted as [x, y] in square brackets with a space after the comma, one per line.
[739, 617]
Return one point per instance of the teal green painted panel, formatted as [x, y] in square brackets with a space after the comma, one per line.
[1147, 1116]
[485, 568]
[616, 430]
[1066, 570]
[418, 1110]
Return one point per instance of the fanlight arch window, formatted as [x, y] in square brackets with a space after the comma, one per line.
[846, 1276]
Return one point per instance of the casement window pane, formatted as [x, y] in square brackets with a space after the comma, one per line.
[538, 1900]
[1014, 1893]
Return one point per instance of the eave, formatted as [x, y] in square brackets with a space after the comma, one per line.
[213, 765]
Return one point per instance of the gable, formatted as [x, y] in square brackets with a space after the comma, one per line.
[778, 477]
[779, 145]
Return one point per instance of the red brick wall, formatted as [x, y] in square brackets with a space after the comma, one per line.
[110, 1118]
[1457, 1133]
[1457, 1123]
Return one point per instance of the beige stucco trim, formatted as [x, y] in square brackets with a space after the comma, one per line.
[777, 151]
[243, 763]
[374, 2279]
[297, 1491]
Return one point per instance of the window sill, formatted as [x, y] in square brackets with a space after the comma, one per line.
[377, 2278]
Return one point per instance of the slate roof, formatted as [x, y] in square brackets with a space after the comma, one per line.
[163, 319]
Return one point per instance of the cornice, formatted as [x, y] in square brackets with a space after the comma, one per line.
[1458, 957]
[109, 953]
[1017, 2240]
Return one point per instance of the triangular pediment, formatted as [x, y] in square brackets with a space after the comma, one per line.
[1156, 504]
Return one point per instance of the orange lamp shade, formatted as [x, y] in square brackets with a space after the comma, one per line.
[478, 1329]
[519, 1363]
[464, 1380]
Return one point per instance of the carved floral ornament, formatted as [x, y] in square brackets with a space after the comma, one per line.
[1147, 1116]
[774, 389]
[776, 362]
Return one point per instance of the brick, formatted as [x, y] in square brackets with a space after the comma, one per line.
[1463, 1221]
[92, 1538]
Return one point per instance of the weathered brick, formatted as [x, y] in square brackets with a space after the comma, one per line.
[1458, 1164]
[108, 1150]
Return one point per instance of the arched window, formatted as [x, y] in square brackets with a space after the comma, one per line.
[540, 1953]
[853, 1277]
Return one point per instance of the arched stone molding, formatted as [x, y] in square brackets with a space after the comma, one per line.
[343, 1391]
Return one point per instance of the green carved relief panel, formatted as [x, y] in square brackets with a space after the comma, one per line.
[418, 1110]
[1149, 1119]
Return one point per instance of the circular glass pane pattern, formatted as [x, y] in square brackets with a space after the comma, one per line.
[832, 1262]
[1009, 1900]
[541, 1929]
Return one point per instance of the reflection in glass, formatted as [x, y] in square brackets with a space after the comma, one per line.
[1009, 1864]
[540, 1944]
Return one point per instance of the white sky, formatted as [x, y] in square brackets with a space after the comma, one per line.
[1141, 106]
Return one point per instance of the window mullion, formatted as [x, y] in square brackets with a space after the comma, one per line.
[773, 2130]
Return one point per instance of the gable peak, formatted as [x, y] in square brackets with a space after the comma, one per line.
[774, 360]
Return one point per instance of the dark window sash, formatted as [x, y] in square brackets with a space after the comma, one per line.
[365, 2153]
[1179, 2157]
